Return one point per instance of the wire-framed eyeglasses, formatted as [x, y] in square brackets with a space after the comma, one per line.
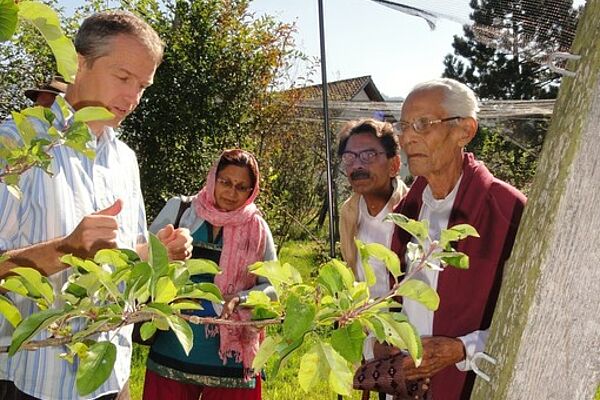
[227, 184]
[420, 125]
[365, 156]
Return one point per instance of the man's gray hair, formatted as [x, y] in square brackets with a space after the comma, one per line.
[459, 99]
[93, 39]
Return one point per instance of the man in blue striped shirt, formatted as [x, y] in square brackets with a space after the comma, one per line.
[86, 205]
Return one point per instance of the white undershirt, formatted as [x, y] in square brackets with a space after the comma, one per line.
[437, 212]
[372, 229]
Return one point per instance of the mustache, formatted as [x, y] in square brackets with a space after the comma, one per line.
[360, 174]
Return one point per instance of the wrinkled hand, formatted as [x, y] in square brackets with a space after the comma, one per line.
[177, 241]
[439, 352]
[95, 232]
[231, 302]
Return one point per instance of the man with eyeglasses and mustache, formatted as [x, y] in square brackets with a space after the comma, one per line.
[370, 155]
[439, 118]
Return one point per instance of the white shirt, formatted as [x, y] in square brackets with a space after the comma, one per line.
[437, 212]
[51, 207]
[372, 229]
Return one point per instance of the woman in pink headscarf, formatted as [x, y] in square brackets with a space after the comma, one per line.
[227, 228]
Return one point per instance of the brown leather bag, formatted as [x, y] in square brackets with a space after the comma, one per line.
[385, 375]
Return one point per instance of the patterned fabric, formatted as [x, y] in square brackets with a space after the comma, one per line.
[385, 375]
[51, 207]
[244, 240]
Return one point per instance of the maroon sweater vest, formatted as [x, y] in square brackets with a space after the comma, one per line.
[468, 297]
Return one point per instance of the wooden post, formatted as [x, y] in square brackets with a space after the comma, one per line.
[545, 333]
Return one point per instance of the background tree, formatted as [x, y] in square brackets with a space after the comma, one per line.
[503, 52]
[218, 87]
[502, 56]
[25, 62]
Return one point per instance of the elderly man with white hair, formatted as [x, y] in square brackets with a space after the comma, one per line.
[439, 118]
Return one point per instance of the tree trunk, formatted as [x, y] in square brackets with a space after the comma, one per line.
[546, 329]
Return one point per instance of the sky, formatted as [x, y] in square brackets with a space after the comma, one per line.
[363, 37]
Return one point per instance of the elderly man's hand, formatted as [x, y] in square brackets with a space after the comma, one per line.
[177, 241]
[438, 353]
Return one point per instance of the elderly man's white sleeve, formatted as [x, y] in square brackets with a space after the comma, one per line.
[474, 342]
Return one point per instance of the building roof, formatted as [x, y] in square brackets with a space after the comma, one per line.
[344, 90]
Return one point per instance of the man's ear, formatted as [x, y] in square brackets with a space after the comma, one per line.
[468, 129]
[395, 164]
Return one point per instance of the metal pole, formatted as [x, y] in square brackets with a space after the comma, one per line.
[326, 131]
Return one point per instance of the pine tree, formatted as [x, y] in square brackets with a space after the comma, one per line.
[503, 53]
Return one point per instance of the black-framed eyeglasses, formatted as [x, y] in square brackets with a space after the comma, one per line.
[227, 184]
[421, 125]
[365, 156]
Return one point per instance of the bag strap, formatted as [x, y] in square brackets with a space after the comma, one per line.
[184, 203]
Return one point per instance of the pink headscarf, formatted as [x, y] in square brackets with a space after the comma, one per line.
[244, 241]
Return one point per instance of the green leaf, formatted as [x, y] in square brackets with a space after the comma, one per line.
[340, 375]
[147, 330]
[8, 19]
[93, 328]
[14, 284]
[454, 258]
[401, 334]
[265, 351]
[111, 257]
[24, 127]
[157, 257]
[165, 290]
[348, 341]
[139, 282]
[417, 290]
[186, 305]
[455, 233]
[418, 229]
[95, 368]
[10, 312]
[335, 277]
[313, 368]
[299, 318]
[37, 112]
[160, 309]
[183, 331]
[205, 290]
[364, 258]
[37, 284]
[65, 109]
[201, 266]
[179, 274]
[77, 137]
[131, 255]
[30, 326]
[257, 298]
[280, 276]
[89, 114]
[389, 258]
[46, 21]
